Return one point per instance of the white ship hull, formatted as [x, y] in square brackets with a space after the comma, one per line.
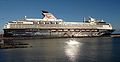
[55, 33]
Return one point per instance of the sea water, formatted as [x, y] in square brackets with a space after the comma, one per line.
[97, 49]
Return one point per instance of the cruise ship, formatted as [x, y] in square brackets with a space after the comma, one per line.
[50, 26]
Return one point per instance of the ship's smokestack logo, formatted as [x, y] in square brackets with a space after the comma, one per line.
[47, 15]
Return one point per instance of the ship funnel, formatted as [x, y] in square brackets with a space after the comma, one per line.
[45, 11]
[47, 15]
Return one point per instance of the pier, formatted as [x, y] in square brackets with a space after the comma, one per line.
[115, 35]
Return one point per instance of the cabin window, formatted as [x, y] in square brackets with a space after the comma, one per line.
[12, 22]
[57, 22]
[53, 23]
[20, 22]
[46, 22]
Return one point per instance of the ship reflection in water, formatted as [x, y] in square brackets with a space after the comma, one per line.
[72, 49]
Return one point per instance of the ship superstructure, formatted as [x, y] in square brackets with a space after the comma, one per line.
[50, 26]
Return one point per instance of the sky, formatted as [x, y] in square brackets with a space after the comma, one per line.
[68, 10]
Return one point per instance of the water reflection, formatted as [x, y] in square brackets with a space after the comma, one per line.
[64, 50]
[72, 49]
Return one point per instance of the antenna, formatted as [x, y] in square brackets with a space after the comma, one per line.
[84, 19]
[25, 17]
